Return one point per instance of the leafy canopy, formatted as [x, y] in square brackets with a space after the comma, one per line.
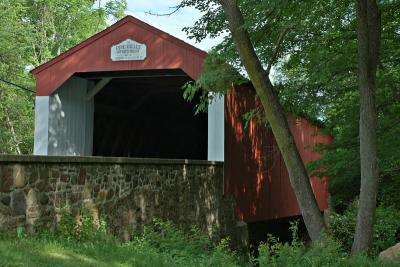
[31, 33]
[312, 49]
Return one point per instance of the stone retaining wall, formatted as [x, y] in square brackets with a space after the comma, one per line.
[36, 190]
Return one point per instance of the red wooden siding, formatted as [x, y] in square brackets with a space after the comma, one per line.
[163, 52]
[255, 173]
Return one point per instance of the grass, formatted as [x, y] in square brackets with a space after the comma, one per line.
[42, 252]
[162, 244]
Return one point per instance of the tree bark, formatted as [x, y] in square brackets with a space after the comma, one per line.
[368, 35]
[13, 135]
[276, 116]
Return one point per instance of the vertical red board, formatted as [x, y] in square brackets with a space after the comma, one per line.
[255, 172]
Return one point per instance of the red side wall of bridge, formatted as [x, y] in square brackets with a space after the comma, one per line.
[255, 173]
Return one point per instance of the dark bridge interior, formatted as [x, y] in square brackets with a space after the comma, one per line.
[143, 115]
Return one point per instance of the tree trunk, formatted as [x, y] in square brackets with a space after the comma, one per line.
[13, 135]
[368, 53]
[276, 117]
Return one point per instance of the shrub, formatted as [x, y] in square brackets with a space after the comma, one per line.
[329, 253]
[159, 244]
[389, 185]
[192, 248]
[386, 229]
[81, 227]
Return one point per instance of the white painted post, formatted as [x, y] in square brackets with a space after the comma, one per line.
[41, 126]
[216, 129]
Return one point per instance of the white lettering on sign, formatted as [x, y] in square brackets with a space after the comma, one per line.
[128, 50]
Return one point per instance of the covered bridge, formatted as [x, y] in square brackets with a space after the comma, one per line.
[119, 94]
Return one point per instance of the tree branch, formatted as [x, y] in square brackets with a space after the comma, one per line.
[175, 9]
[277, 48]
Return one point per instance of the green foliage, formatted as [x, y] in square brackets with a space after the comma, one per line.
[16, 106]
[163, 244]
[386, 231]
[16, 121]
[58, 25]
[327, 253]
[166, 236]
[315, 73]
[21, 232]
[191, 248]
[31, 33]
[82, 227]
[389, 191]
[116, 8]
[191, 90]
[217, 77]
[319, 81]
[248, 116]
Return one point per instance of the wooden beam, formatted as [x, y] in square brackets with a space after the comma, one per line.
[148, 76]
[99, 85]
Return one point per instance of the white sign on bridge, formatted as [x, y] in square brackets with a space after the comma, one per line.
[128, 50]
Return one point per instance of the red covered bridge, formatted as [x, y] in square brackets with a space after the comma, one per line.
[119, 94]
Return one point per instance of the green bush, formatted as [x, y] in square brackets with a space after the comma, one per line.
[389, 185]
[159, 244]
[192, 248]
[329, 253]
[81, 227]
[386, 229]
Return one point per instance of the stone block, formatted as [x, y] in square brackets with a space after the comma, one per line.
[82, 176]
[5, 199]
[101, 196]
[110, 194]
[31, 198]
[6, 179]
[75, 197]
[33, 176]
[4, 210]
[41, 185]
[64, 178]
[87, 192]
[43, 199]
[44, 173]
[391, 254]
[19, 176]
[8, 222]
[18, 203]
[60, 199]
[55, 174]
[128, 178]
